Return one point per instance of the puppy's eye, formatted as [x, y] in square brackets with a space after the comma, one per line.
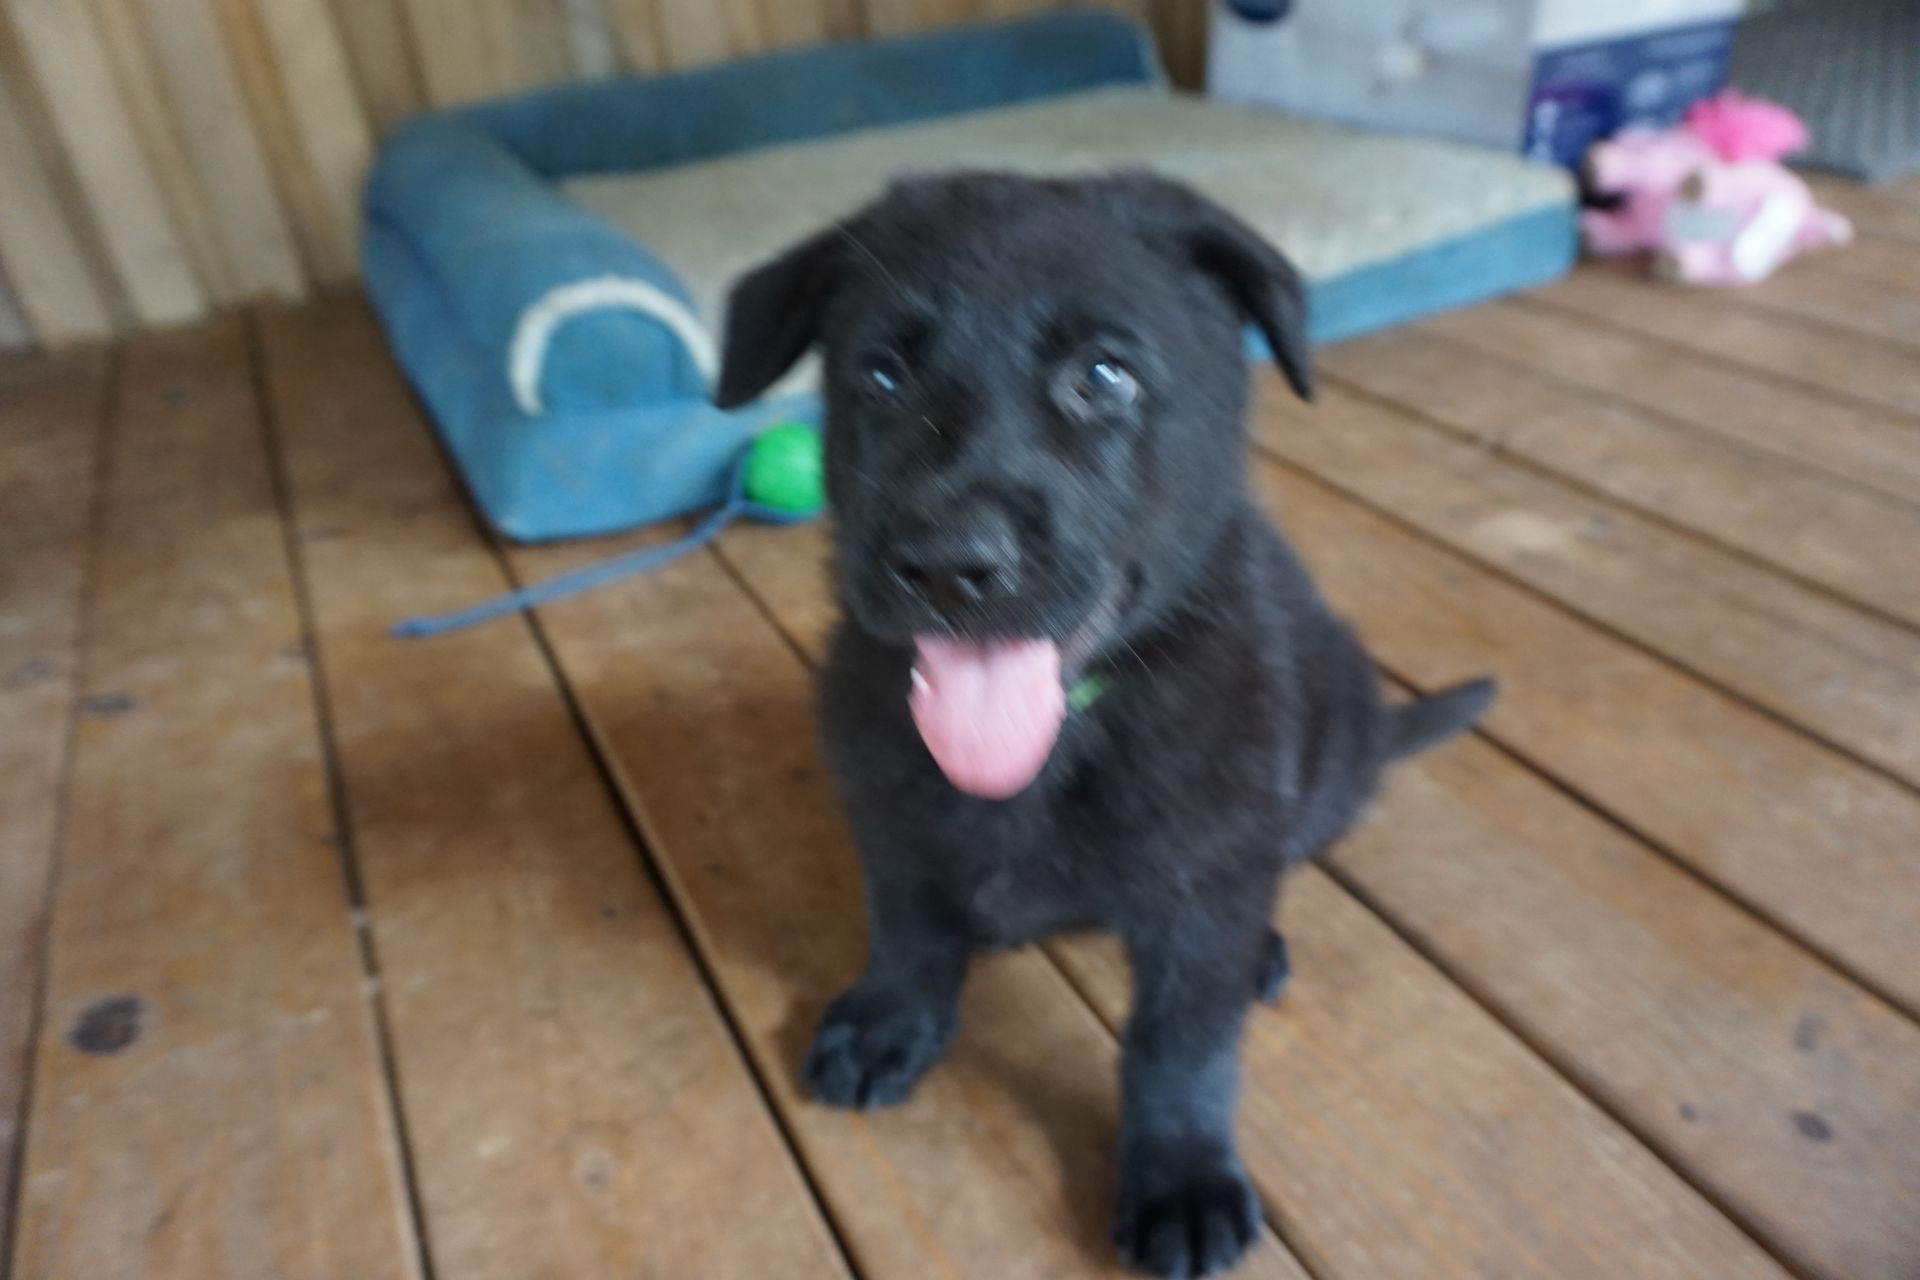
[883, 375]
[1099, 386]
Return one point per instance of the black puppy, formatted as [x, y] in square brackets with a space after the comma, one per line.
[1080, 682]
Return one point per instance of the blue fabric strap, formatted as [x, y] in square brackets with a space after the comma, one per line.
[590, 576]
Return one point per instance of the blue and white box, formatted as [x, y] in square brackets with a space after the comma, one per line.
[1545, 77]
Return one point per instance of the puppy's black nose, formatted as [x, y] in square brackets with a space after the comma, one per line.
[966, 562]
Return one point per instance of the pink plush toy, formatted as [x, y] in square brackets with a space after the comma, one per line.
[1709, 199]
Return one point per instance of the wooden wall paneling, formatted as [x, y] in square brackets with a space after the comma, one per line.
[896, 17]
[157, 127]
[336, 141]
[1180, 29]
[470, 49]
[843, 19]
[747, 28]
[695, 32]
[637, 32]
[13, 325]
[206, 152]
[779, 25]
[325, 245]
[57, 289]
[1002, 10]
[787, 23]
[90, 118]
[530, 42]
[592, 49]
[225, 148]
[451, 51]
[380, 47]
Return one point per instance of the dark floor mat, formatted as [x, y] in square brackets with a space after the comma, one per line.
[1851, 68]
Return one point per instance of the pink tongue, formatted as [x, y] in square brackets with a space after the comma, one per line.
[988, 712]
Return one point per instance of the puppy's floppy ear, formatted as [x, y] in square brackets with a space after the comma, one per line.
[1259, 279]
[774, 314]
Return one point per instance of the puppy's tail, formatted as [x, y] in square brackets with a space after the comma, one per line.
[1414, 726]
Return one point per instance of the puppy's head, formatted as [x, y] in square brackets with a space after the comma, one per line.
[1034, 392]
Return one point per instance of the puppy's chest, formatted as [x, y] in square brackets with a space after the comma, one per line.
[1019, 879]
[1013, 892]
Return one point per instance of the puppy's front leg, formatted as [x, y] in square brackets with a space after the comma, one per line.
[879, 1038]
[1184, 1206]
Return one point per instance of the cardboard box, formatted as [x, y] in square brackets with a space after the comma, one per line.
[1546, 77]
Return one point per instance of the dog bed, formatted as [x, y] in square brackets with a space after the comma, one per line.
[550, 269]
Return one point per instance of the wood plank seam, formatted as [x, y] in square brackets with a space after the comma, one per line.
[1673, 421]
[1886, 235]
[1705, 353]
[1564, 1065]
[1780, 309]
[824, 1137]
[1301, 1249]
[1598, 622]
[673, 900]
[1872, 298]
[187, 567]
[1869, 262]
[1841, 671]
[224, 542]
[757, 549]
[1570, 789]
[1517, 1027]
[12, 1177]
[671, 894]
[336, 801]
[1311, 1259]
[1346, 883]
[1665, 519]
[602, 1110]
[699, 946]
[1876, 212]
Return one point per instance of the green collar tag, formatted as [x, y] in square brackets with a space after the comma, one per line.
[1085, 692]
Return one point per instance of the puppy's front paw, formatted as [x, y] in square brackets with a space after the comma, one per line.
[1183, 1215]
[872, 1048]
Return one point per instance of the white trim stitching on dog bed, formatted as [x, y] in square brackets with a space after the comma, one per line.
[527, 353]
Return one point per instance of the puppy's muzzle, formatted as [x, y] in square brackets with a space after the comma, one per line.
[959, 564]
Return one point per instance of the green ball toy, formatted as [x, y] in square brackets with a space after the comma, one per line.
[783, 469]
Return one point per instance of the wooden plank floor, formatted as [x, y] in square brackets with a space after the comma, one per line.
[324, 954]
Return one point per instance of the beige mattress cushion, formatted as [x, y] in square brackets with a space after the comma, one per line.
[1335, 199]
